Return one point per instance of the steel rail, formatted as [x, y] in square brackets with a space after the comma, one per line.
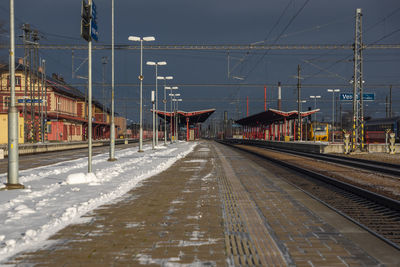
[381, 167]
[385, 202]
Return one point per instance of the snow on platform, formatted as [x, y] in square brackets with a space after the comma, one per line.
[58, 195]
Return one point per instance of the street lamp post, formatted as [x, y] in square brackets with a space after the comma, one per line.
[333, 91]
[139, 39]
[13, 157]
[176, 100]
[153, 143]
[171, 88]
[165, 104]
[112, 123]
[315, 97]
[175, 115]
[160, 63]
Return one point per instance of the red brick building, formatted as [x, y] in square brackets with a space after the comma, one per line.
[62, 108]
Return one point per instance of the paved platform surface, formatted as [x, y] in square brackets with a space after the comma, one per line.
[215, 207]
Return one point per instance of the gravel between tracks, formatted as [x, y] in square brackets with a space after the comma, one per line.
[375, 182]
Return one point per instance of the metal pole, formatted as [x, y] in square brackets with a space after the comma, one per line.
[171, 115]
[279, 96]
[299, 124]
[390, 102]
[104, 62]
[156, 125]
[42, 104]
[112, 127]
[333, 116]
[45, 97]
[13, 163]
[165, 112]
[176, 122]
[90, 103]
[153, 143]
[141, 100]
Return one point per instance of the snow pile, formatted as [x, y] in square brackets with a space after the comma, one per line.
[81, 178]
[59, 194]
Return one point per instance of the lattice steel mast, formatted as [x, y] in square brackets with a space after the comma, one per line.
[358, 110]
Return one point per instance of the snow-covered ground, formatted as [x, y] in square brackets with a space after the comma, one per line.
[59, 194]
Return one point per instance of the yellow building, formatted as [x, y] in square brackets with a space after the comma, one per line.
[4, 125]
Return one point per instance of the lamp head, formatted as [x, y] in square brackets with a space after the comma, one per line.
[149, 38]
[134, 38]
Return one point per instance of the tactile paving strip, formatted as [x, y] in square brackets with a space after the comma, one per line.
[247, 240]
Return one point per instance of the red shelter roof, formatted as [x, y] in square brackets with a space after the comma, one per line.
[194, 117]
[272, 115]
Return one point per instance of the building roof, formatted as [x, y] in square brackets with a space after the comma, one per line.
[194, 117]
[57, 83]
[272, 115]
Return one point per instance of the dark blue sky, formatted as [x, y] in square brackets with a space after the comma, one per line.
[226, 22]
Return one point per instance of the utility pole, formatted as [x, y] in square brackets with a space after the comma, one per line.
[358, 109]
[247, 106]
[13, 160]
[265, 98]
[26, 37]
[35, 68]
[279, 96]
[112, 126]
[299, 124]
[104, 61]
[390, 102]
[90, 99]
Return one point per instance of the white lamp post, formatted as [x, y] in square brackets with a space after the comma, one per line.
[165, 104]
[176, 100]
[333, 91]
[160, 63]
[153, 143]
[139, 39]
[171, 88]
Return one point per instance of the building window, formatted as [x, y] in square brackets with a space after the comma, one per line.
[17, 81]
[7, 100]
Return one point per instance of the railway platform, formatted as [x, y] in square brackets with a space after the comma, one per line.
[215, 207]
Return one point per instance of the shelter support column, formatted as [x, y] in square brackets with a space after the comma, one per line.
[279, 131]
[187, 128]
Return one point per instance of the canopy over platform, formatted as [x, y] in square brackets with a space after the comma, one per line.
[272, 115]
[194, 117]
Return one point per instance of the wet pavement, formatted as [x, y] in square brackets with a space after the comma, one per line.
[215, 207]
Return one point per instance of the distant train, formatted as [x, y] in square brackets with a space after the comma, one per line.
[375, 130]
[319, 130]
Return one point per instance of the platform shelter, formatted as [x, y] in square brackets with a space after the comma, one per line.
[273, 125]
[192, 119]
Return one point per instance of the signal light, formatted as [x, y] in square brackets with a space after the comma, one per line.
[85, 21]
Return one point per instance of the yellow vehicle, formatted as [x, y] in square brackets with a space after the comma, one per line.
[319, 130]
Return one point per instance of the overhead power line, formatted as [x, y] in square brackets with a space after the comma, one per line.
[214, 47]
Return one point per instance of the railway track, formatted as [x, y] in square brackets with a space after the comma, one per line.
[375, 213]
[376, 166]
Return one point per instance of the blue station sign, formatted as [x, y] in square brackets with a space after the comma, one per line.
[349, 96]
[93, 24]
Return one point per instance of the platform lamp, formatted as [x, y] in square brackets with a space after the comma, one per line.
[315, 97]
[171, 88]
[165, 78]
[333, 91]
[139, 39]
[156, 64]
[177, 100]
